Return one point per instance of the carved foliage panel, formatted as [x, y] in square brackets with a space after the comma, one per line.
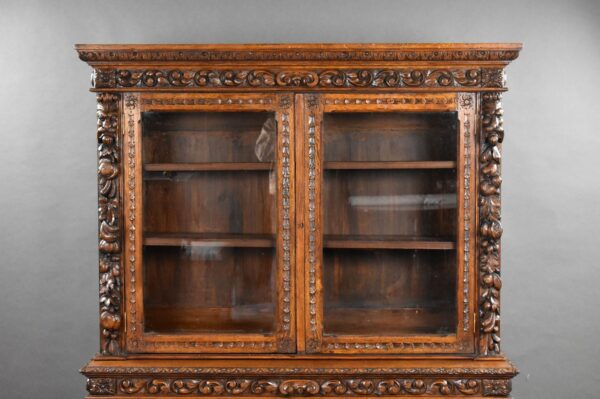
[282, 387]
[109, 217]
[490, 228]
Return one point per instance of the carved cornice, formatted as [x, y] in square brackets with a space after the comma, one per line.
[490, 229]
[109, 217]
[299, 53]
[277, 387]
[298, 371]
[395, 78]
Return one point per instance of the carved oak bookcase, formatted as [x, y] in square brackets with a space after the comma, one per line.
[299, 220]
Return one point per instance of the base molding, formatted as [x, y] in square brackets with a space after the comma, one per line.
[127, 378]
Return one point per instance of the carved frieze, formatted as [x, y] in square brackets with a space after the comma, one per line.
[474, 77]
[109, 218]
[281, 386]
[490, 228]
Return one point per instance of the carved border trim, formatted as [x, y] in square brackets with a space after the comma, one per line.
[313, 342]
[100, 55]
[307, 78]
[490, 229]
[278, 387]
[467, 102]
[109, 217]
[131, 103]
[285, 344]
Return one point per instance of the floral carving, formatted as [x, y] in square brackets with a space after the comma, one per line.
[496, 387]
[330, 78]
[109, 218]
[490, 227]
[101, 386]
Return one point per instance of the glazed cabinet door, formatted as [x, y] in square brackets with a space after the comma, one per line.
[388, 216]
[209, 193]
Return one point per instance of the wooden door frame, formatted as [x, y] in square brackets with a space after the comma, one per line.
[284, 338]
[310, 110]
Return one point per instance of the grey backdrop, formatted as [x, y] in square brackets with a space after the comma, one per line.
[48, 271]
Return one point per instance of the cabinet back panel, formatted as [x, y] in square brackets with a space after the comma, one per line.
[175, 137]
[390, 202]
[209, 288]
[210, 202]
[393, 291]
[389, 136]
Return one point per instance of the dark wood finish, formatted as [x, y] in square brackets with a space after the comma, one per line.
[386, 242]
[204, 166]
[391, 165]
[210, 240]
[299, 220]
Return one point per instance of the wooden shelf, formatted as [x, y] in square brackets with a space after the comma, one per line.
[207, 166]
[386, 242]
[389, 321]
[209, 240]
[239, 319]
[390, 165]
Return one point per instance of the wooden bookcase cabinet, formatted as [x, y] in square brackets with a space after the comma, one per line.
[299, 220]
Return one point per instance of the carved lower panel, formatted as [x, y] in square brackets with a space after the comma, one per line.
[308, 78]
[490, 228]
[276, 386]
[109, 218]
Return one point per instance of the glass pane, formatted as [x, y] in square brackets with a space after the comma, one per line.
[209, 222]
[208, 137]
[389, 223]
[389, 136]
[391, 292]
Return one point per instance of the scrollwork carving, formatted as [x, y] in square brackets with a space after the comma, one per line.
[490, 228]
[291, 78]
[273, 386]
[109, 218]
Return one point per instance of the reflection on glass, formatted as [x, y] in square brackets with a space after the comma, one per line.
[209, 218]
[389, 223]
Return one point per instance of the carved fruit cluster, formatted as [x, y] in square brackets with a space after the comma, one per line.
[109, 222]
[490, 227]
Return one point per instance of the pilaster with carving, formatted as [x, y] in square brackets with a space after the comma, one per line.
[490, 228]
[109, 218]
